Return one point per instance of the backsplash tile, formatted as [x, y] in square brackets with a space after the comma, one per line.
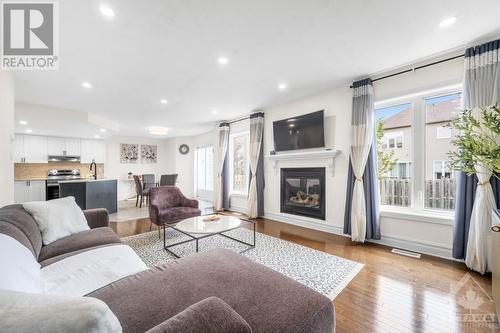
[27, 171]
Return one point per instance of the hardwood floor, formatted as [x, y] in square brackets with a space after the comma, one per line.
[392, 293]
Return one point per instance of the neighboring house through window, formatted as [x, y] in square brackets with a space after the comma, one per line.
[239, 162]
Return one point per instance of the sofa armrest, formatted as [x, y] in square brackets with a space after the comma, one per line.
[97, 217]
[211, 315]
[185, 202]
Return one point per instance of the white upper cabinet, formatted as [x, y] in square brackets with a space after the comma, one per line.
[30, 149]
[93, 150]
[35, 149]
[18, 148]
[56, 146]
[63, 146]
[72, 147]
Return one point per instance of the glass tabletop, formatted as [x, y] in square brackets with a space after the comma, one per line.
[196, 225]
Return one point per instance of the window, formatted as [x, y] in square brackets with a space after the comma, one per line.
[392, 140]
[394, 155]
[417, 133]
[204, 170]
[239, 162]
[443, 132]
[439, 191]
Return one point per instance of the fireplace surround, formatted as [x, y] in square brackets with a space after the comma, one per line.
[303, 192]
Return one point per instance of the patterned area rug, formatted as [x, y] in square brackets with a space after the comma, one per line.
[325, 273]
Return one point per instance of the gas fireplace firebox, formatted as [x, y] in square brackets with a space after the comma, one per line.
[303, 192]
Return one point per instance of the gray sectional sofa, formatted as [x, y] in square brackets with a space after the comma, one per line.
[213, 291]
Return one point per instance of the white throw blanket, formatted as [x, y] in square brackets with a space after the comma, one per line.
[86, 272]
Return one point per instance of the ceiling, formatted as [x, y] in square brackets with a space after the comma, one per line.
[153, 50]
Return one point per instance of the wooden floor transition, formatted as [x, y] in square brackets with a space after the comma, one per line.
[392, 293]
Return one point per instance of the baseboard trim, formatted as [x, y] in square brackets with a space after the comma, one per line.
[427, 248]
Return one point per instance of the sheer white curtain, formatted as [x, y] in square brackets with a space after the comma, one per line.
[220, 156]
[362, 127]
[481, 88]
[256, 131]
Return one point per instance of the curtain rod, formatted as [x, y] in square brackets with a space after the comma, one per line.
[243, 118]
[416, 68]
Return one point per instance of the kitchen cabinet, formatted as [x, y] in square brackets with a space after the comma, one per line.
[30, 190]
[63, 146]
[30, 149]
[93, 150]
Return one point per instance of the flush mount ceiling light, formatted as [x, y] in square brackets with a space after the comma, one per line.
[107, 11]
[163, 101]
[157, 130]
[103, 130]
[222, 61]
[23, 122]
[448, 22]
[97, 136]
[29, 131]
[86, 85]
[214, 111]
[282, 86]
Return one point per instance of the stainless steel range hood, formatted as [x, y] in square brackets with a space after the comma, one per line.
[63, 158]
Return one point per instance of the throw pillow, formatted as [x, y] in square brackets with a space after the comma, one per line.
[19, 269]
[24, 312]
[57, 218]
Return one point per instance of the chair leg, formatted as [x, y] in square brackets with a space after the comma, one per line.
[142, 198]
[136, 200]
[150, 226]
[159, 233]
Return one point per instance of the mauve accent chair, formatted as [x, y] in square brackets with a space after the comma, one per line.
[167, 205]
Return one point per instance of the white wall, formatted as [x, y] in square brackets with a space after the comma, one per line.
[114, 169]
[413, 234]
[6, 138]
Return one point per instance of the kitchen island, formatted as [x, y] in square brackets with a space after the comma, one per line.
[91, 193]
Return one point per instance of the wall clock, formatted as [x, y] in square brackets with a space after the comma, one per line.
[184, 149]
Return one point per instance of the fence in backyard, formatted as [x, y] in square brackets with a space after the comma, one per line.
[439, 193]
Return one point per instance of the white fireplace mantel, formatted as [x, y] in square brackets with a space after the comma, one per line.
[328, 154]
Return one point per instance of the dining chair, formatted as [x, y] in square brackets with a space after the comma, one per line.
[148, 181]
[168, 180]
[140, 192]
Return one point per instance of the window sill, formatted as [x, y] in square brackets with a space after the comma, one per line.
[238, 195]
[410, 214]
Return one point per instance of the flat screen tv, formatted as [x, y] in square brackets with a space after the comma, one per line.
[306, 131]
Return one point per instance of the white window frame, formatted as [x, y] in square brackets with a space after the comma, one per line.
[417, 208]
[232, 191]
[203, 193]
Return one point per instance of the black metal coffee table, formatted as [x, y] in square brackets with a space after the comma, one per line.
[195, 228]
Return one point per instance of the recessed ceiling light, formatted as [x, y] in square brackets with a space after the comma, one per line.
[223, 61]
[282, 86]
[164, 101]
[214, 111]
[448, 22]
[29, 131]
[107, 11]
[103, 130]
[157, 130]
[97, 136]
[86, 85]
[23, 122]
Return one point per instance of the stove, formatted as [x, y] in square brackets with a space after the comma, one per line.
[55, 176]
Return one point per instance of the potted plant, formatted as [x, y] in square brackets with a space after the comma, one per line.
[478, 143]
[129, 175]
